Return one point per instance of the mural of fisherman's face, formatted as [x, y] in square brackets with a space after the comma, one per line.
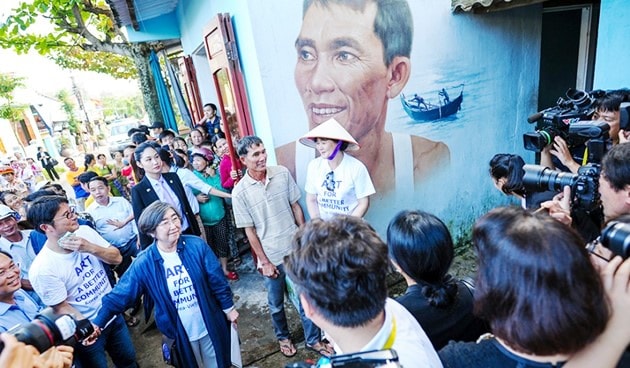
[340, 70]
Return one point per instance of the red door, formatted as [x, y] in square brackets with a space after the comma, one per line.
[225, 67]
[191, 87]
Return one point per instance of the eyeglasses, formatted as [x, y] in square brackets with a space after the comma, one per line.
[175, 220]
[72, 211]
[14, 266]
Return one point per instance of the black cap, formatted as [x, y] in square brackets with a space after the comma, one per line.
[157, 124]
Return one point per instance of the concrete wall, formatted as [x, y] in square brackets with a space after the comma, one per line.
[612, 63]
[495, 56]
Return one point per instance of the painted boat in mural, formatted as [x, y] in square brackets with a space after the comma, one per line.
[421, 110]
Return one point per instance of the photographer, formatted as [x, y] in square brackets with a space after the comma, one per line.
[506, 170]
[614, 188]
[18, 354]
[607, 111]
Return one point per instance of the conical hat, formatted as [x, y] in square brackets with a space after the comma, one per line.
[330, 129]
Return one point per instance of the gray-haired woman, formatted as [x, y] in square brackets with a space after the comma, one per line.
[183, 281]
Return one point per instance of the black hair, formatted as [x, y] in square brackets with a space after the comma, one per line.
[143, 146]
[339, 266]
[85, 177]
[88, 159]
[101, 179]
[510, 167]
[43, 210]
[167, 133]
[422, 247]
[246, 143]
[616, 166]
[535, 283]
[138, 138]
[213, 106]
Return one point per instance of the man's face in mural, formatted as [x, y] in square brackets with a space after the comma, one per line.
[340, 70]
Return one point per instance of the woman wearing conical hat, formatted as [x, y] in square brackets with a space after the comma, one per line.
[336, 183]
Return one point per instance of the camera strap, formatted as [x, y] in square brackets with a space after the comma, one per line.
[392, 336]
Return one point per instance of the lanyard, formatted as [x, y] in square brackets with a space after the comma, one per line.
[392, 336]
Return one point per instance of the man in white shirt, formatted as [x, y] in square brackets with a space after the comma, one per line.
[340, 266]
[114, 221]
[17, 243]
[68, 275]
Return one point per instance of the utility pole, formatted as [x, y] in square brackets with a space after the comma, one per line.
[77, 95]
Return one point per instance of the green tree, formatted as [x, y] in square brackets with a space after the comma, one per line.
[68, 107]
[81, 34]
[8, 108]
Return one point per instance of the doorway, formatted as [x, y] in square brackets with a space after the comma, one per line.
[567, 55]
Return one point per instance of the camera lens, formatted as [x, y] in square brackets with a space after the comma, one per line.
[616, 237]
[540, 179]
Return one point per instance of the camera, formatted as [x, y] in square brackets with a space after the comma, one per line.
[568, 120]
[584, 185]
[616, 237]
[368, 359]
[50, 329]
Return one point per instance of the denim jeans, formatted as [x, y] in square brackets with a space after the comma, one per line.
[116, 340]
[276, 289]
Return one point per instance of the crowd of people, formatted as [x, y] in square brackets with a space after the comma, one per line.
[163, 238]
[158, 227]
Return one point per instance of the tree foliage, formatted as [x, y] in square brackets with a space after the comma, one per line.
[68, 107]
[8, 108]
[80, 34]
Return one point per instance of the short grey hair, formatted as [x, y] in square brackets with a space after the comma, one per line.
[246, 143]
[152, 216]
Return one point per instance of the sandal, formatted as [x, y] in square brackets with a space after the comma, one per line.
[130, 320]
[321, 348]
[287, 348]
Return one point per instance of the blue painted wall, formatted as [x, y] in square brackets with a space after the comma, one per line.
[495, 55]
[612, 63]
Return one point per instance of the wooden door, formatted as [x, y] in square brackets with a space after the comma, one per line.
[191, 87]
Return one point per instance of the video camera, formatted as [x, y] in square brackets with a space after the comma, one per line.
[368, 359]
[569, 120]
[584, 185]
[50, 329]
[616, 237]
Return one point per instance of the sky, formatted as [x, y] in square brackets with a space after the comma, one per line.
[43, 76]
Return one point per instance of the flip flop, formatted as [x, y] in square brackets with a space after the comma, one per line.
[321, 348]
[130, 320]
[286, 347]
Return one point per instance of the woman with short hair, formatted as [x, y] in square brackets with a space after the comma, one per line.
[186, 286]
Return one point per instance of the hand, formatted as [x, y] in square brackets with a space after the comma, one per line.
[232, 315]
[269, 270]
[616, 279]
[74, 243]
[202, 198]
[116, 223]
[93, 337]
[58, 357]
[18, 354]
[560, 206]
[624, 136]
[561, 151]
[234, 174]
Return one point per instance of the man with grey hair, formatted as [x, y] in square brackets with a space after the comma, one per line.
[353, 57]
[265, 203]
